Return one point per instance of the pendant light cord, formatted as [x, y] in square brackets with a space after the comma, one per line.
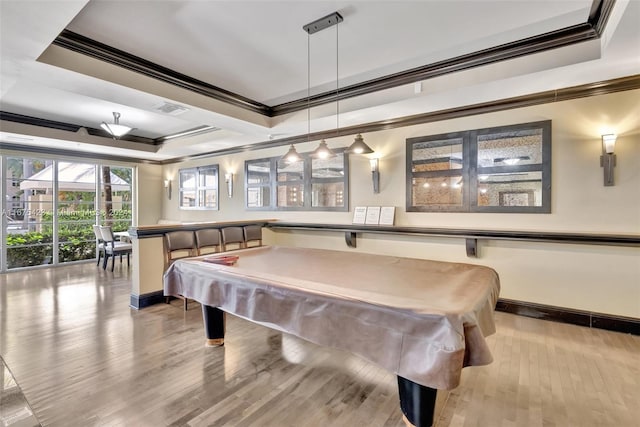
[337, 85]
[308, 86]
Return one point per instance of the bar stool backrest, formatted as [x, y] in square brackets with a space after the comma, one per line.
[178, 244]
[232, 238]
[252, 235]
[208, 241]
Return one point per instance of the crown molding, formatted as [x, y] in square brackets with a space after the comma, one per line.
[74, 154]
[95, 49]
[70, 127]
[566, 94]
[589, 30]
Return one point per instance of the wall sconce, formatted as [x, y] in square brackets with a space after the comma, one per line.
[228, 178]
[167, 188]
[608, 159]
[375, 175]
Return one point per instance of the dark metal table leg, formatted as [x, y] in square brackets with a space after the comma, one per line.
[213, 325]
[417, 402]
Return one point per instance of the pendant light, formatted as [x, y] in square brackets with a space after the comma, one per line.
[359, 146]
[115, 129]
[292, 156]
[323, 151]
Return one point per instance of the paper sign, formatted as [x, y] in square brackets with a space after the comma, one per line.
[373, 215]
[387, 215]
[360, 215]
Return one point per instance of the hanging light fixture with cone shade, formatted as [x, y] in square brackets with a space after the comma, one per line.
[292, 156]
[359, 146]
[115, 129]
[323, 151]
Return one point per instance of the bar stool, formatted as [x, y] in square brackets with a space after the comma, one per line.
[207, 239]
[177, 245]
[232, 236]
[252, 236]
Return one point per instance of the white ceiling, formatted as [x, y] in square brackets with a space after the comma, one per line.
[258, 49]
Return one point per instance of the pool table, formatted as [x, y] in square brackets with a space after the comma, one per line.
[423, 320]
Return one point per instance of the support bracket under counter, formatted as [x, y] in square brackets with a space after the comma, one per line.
[350, 238]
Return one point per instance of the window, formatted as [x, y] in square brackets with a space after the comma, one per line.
[505, 169]
[291, 183]
[313, 184]
[51, 206]
[258, 173]
[199, 188]
[327, 182]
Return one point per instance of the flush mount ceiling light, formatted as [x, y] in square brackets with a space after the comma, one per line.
[115, 129]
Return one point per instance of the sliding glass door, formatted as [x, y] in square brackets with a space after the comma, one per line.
[26, 215]
[50, 207]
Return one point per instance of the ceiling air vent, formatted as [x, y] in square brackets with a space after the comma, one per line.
[169, 108]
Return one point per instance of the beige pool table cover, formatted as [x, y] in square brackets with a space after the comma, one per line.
[423, 320]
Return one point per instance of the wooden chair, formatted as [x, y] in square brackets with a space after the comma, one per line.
[177, 245]
[252, 236]
[208, 241]
[100, 241]
[113, 247]
[232, 236]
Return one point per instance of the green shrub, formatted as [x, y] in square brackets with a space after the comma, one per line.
[29, 256]
[76, 242]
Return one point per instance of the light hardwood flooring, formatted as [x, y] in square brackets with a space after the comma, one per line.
[82, 357]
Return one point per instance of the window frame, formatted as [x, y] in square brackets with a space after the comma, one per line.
[470, 171]
[268, 184]
[198, 188]
[307, 183]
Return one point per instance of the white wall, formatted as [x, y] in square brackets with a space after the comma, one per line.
[150, 194]
[597, 278]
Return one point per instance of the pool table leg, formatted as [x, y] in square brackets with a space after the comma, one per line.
[417, 402]
[213, 325]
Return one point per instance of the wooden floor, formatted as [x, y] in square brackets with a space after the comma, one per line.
[82, 357]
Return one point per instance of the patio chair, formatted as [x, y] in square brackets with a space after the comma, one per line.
[100, 240]
[112, 247]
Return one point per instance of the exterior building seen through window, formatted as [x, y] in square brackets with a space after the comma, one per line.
[199, 188]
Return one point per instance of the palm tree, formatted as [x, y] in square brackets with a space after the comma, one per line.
[108, 197]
